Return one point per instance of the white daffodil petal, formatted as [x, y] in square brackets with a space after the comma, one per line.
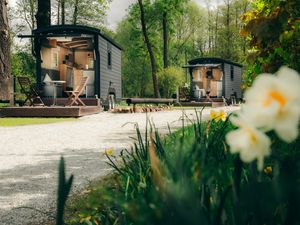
[273, 103]
[287, 129]
[250, 143]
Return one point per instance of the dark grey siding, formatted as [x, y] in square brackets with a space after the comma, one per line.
[232, 85]
[107, 73]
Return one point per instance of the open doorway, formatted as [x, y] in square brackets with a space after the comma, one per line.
[68, 59]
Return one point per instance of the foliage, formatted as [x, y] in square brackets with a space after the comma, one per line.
[273, 30]
[136, 77]
[169, 80]
[191, 178]
[23, 63]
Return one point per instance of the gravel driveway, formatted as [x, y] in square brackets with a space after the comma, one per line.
[29, 157]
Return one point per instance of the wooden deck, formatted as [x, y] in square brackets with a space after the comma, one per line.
[49, 111]
[92, 107]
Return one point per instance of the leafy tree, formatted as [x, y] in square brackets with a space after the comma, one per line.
[169, 11]
[189, 39]
[23, 63]
[149, 47]
[136, 69]
[223, 27]
[273, 30]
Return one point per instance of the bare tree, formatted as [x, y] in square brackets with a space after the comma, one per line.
[5, 64]
[25, 10]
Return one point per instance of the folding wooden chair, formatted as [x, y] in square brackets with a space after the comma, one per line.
[30, 92]
[74, 95]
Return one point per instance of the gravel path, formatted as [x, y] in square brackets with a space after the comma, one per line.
[29, 157]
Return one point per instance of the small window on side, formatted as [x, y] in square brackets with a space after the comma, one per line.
[232, 73]
[109, 57]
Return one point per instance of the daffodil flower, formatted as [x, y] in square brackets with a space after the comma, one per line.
[273, 103]
[218, 115]
[213, 114]
[109, 151]
[248, 141]
[223, 115]
[268, 170]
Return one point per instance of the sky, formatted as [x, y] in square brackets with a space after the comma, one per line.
[118, 9]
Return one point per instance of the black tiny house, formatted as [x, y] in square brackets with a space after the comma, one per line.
[215, 77]
[68, 52]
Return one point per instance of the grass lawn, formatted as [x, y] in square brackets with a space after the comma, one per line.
[2, 105]
[10, 122]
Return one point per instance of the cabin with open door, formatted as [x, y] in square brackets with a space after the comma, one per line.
[69, 52]
[215, 77]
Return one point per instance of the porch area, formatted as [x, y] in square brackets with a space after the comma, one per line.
[93, 106]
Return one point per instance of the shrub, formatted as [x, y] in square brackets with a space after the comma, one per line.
[273, 31]
[169, 79]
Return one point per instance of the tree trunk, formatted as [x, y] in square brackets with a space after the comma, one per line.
[229, 45]
[165, 37]
[216, 32]
[32, 11]
[63, 19]
[150, 50]
[58, 12]
[43, 14]
[75, 15]
[5, 66]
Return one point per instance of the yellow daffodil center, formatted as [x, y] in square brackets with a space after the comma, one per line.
[275, 96]
[252, 135]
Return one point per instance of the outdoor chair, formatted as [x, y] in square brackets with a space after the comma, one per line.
[75, 94]
[32, 95]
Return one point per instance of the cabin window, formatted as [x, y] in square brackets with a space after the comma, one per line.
[109, 57]
[231, 73]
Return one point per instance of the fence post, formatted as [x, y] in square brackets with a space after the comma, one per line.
[12, 93]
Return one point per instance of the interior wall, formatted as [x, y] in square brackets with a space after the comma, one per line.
[62, 55]
[46, 58]
[83, 58]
